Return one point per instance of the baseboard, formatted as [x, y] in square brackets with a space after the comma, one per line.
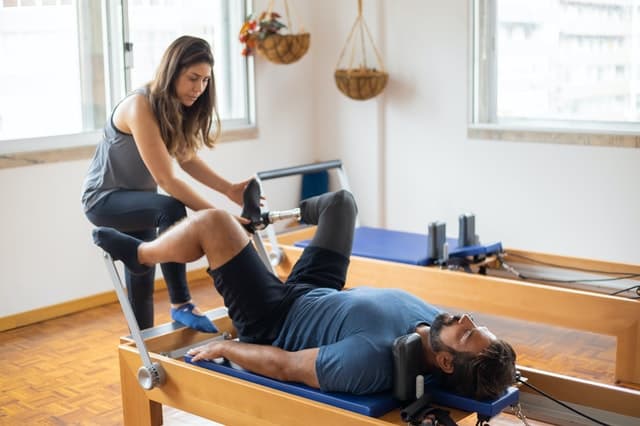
[58, 310]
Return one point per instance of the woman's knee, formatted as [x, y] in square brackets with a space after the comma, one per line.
[172, 211]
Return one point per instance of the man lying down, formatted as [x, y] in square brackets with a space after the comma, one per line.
[310, 330]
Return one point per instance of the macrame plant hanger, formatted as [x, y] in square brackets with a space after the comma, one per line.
[284, 48]
[360, 82]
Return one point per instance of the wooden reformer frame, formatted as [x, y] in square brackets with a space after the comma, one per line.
[233, 401]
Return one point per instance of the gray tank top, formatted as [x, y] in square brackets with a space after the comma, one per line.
[116, 165]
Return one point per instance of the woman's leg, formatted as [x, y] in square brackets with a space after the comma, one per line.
[140, 214]
[140, 287]
[212, 233]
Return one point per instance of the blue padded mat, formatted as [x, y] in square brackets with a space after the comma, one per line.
[374, 405]
[405, 247]
[384, 244]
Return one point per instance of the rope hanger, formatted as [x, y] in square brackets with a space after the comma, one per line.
[361, 82]
[360, 24]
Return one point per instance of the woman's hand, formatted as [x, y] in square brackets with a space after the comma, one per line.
[236, 190]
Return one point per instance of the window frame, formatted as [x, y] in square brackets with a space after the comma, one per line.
[81, 145]
[482, 105]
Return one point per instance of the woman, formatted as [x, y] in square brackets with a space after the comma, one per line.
[168, 119]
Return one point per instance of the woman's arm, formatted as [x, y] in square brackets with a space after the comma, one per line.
[197, 168]
[269, 361]
[136, 117]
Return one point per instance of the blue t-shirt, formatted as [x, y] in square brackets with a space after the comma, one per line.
[354, 330]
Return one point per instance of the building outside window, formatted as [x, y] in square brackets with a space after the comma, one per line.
[65, 63]
[554, 64]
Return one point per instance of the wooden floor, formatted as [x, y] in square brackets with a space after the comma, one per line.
[65, 371]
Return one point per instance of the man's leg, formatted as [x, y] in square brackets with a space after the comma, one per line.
[335, 214]
[213, 233]
[325, 261]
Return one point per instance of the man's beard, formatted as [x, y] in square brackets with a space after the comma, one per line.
[442, 320]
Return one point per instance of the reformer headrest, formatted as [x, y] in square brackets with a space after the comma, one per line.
[409, 362]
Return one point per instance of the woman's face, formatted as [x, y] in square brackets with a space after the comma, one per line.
[192, 82]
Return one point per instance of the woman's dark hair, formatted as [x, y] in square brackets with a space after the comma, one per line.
[184, 129]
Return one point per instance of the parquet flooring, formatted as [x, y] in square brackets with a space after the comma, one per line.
[65, 371]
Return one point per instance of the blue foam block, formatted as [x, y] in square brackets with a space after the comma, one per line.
[374, 405]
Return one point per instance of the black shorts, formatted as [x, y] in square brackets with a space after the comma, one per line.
[258, 302]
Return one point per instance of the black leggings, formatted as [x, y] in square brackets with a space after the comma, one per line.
[144, 214]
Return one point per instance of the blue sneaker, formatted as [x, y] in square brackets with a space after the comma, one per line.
[184, 315]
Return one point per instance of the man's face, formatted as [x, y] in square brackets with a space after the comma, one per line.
[460, 333]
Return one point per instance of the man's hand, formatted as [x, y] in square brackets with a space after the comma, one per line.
[211, 350]
[267, 360]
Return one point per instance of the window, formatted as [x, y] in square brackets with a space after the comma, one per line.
[65, 64]
[556, 64]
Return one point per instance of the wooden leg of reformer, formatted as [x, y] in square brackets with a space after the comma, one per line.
[138, 410]
[627, 360]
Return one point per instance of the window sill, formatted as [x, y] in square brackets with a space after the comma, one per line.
[30, 158]
[621, 139]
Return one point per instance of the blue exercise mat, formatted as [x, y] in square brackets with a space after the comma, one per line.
[374, 405]
[405, 247]
[394, 246]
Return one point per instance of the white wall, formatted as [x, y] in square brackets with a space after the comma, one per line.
[46, 253]
[406, 152]
[565, 199]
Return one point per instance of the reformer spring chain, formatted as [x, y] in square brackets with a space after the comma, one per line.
[517, 411]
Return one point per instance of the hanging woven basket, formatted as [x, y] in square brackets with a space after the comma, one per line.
[283, 48]
[360, 82]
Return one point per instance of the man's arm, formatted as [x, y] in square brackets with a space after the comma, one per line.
[269, 361]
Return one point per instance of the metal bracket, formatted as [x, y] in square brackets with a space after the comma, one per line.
[150, 374]
[274, 257]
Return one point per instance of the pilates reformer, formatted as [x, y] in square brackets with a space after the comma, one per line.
[466, 253]
[165, 379]
[152, 375]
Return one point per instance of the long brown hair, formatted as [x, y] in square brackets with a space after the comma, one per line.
[184, 129]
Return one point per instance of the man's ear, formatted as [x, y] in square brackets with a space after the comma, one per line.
[444, 360]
